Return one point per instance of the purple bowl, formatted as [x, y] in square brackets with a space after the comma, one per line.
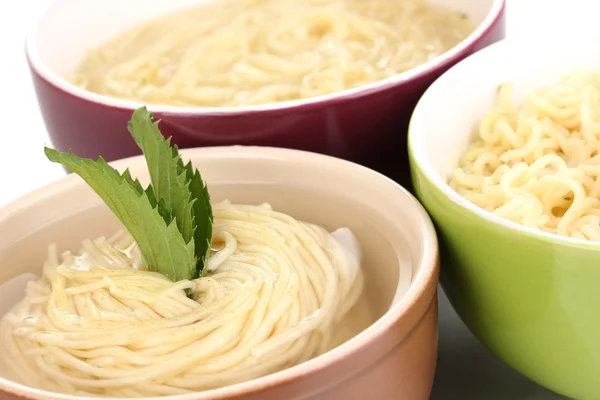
[367, 124]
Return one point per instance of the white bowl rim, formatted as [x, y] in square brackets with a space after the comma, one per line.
[426, 270]
[417, 147]
[496, 10]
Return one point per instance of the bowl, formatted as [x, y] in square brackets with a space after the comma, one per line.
[531, 297]
[366, 125]
[394, 357]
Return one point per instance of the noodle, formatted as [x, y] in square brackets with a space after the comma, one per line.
[246, 52]
[538, 163]
[99, 324]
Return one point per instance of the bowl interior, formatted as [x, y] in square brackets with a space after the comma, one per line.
[523, 292]
[58, 43]
[443, 125]
[396, 236]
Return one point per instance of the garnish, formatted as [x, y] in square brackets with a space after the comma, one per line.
[171, 220]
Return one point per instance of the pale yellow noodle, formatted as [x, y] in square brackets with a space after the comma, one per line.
[244, 52]
[97, 323]
[538, 163]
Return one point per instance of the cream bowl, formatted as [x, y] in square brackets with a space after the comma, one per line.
[366, 124]
[394, 357]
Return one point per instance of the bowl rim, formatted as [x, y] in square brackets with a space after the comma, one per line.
[420, 161]
[494, 14]
[422, 281]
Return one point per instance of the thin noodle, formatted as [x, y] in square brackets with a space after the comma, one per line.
[246, 52]
[94, 325]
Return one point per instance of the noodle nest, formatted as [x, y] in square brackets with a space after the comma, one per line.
[97, 323]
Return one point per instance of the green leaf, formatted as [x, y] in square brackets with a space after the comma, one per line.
[171, 220]
[127, 176]
[203, 215]
[163, 247]
[169, 184]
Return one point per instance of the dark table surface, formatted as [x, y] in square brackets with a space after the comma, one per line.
[468, 371]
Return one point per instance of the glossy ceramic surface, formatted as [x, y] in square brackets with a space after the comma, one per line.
[393, 358]
[530, 297]
[365, 125]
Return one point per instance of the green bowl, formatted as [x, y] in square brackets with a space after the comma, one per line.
[531, 297]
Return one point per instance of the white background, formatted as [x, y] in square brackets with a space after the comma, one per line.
[23, 166]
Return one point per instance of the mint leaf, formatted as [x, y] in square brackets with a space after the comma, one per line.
[171, 220]
[203, 215]
[169, 184]
[163, 247]
[126, 175]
